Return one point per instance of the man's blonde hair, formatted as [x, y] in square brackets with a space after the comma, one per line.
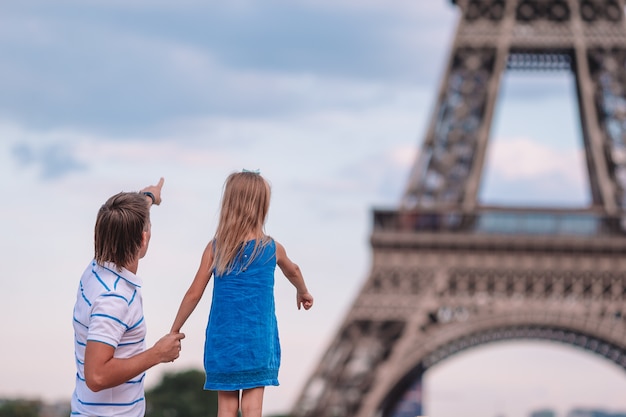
[119, 226]
[245, 204]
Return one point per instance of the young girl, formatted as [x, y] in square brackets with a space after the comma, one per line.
[242, 350]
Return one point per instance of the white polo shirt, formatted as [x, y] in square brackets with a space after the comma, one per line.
[109, 310]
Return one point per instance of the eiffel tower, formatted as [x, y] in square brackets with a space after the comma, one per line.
[448, 273]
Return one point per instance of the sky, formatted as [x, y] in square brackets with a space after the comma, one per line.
[329, 100]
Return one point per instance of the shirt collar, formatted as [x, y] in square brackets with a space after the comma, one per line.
[124, 273]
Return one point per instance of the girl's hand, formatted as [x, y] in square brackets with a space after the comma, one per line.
[304, 300]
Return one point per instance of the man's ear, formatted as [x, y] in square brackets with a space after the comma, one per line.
[145, 239]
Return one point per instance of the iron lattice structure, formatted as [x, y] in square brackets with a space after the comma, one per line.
[447, 273]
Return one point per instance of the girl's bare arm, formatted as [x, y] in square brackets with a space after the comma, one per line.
[196, 290]
[294, 275]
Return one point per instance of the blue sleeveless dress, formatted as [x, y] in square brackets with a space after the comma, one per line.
[242, 348]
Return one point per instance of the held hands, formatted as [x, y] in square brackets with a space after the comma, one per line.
[304, 300]
[168, 347]
[155, 190]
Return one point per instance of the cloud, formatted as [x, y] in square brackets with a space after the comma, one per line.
[382, 176]
[119, 69]
[521, 169]
[377, 179]
[525, 159]
[53, 161]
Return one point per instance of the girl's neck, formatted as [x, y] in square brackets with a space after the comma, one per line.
[253, 236]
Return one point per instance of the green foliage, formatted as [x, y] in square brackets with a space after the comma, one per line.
[181, 395]
[19, 408]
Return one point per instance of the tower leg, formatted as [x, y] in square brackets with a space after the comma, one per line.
[411, 403]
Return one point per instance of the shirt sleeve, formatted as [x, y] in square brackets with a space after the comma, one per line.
[107, 323]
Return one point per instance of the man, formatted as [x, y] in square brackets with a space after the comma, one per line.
[109, 328]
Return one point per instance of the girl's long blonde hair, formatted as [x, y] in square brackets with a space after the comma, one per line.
[245, 203]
